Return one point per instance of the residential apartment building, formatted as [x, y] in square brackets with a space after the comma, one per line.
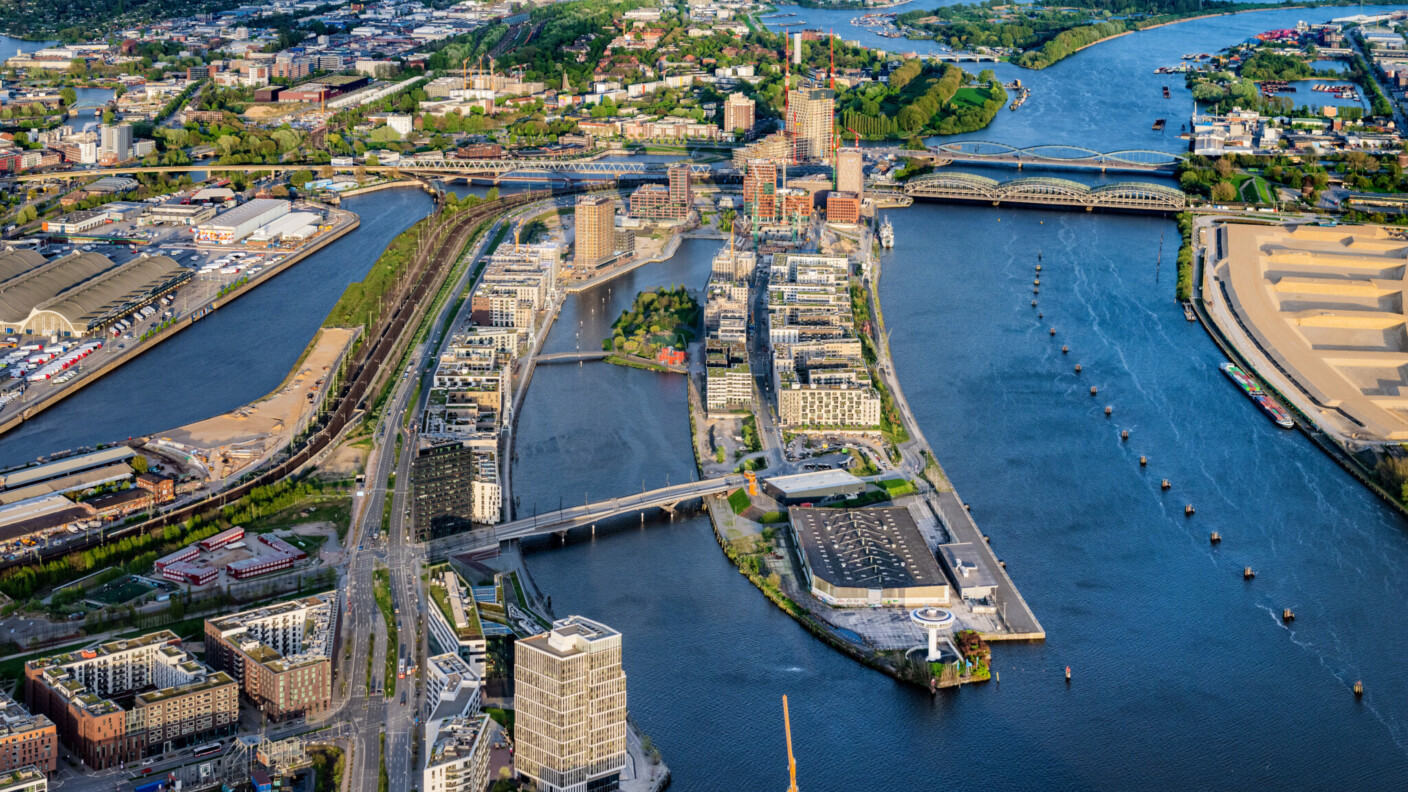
[454, 621]
[26, 739]
[760, 191]
[570, 707]
[728, 379]
[30, 778]
[178, 700]
[659, 202]
[739, 113]
[596, 230]
[457, 759]
[280, 654]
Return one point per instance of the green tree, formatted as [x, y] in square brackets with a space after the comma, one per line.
[139, 464]
[1223, 191]
[69, 96]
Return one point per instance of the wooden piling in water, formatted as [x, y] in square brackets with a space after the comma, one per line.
[1247, 573]
[1215, 538]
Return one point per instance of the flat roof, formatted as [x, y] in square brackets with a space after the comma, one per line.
[821, 479]
[865, 548]
[966, 566]
[63, 467]
[245, 212]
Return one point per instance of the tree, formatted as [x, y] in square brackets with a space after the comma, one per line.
[1223, 167]
[69, 96]
[1223, 191]
[139, 464]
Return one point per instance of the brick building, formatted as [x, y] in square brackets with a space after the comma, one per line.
[280, 654]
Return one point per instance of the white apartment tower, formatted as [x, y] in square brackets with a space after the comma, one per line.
[570, 699]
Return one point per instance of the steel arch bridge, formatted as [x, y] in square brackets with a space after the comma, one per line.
[1045, 191]
[978, 150]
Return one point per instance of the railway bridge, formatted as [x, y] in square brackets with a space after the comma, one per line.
[1045, 191]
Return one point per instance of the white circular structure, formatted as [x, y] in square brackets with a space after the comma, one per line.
[934, 620]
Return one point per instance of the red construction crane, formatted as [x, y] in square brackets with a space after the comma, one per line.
[857, 134]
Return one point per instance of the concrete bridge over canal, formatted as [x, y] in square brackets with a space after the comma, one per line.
[571, 357]
[1043, 191]
[563, 520]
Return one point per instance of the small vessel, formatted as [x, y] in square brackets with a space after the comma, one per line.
[1166, 93]
[1254, 392]
[1159, 124]
[887, 234]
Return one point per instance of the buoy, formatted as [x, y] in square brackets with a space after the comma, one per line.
[1215, 538]
[1108, 410]
[1093, 390]
[1124, 434]
[1068, 673]
[1143, 461]
[1358, 689]
[1288, 615]
[1065, 350]
[1039, 315]
[1164, 484]
[1188, 510]
[1077, 368]
[1036, 282]
[1247, 573]
[1038, 268]
[1053, 331]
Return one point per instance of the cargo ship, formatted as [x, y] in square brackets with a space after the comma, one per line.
[887, 234]
[1254, 392]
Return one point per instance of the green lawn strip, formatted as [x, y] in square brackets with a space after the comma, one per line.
[381, 590]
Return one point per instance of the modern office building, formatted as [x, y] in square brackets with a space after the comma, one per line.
[116, 142]
[26, 740]
[570, 700]
[842, 208]
[595, 229]
[442, 491]
[810, 121]
[175, 699]
[739, 113]
[850, 171]
[280, 654]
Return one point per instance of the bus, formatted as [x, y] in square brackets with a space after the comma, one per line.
[203, 751]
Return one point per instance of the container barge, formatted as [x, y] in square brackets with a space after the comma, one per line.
[1254, 392]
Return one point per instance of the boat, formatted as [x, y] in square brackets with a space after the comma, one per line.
[1166, 93]
[1159, 124]
[1254, 392]
[887, 234]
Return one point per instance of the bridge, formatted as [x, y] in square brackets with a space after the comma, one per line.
[571, 357]
[989, 152]
[563, 520]
[448, 167]
[1042, 191]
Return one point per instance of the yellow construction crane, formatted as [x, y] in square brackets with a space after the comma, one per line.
[791, 761]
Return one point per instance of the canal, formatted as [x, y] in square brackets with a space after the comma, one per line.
[1184, 676]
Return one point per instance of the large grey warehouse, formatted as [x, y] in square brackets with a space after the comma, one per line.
[78, 294]
[867, 558]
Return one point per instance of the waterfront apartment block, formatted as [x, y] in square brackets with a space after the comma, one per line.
[170, 698]
[570, 699]
[596, 230]
[454, 621]
[819, 372]
[280, 654]
[458, 755]
[26, 740]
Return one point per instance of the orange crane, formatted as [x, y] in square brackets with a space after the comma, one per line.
[791, 760]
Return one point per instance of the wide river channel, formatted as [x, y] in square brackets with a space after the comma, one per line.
[1184, 676]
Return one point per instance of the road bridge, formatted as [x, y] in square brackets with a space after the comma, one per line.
[571, 357]
[1042, 191]
[1056, 155]
[563, 520]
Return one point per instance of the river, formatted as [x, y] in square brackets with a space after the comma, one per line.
[1184, 675]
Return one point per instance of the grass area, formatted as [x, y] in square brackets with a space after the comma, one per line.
[473, 629]
[968, 96]
[895, 487]
[361, 302]
[381, 590]
[1253, 189]
[751, 440]
[308, 544]
[383, 781]
[739, 501]
[637, 364]
[503, 717]
[335, 509]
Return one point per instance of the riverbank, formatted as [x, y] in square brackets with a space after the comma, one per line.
[347, 222]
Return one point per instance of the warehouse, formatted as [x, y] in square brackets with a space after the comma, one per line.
[14, 262]
[970, 574]
[180, 214]
[295, 225]
[238, 223]
[76, 222]
[83, 293]
[812, 487]
[867, 558]
[26, 476]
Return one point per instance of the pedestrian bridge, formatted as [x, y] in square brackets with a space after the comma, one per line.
[571, 357]
[563, 520]
[1043, 191]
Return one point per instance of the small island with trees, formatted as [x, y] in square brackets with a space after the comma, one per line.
[661, 321]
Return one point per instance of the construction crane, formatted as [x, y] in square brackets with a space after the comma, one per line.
[857, 134]
[791, 760]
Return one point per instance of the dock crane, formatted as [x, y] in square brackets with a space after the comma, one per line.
[791, 760]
